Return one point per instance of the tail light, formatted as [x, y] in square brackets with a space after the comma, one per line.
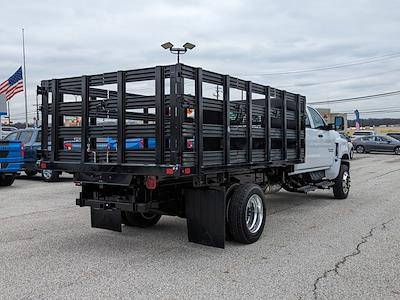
[68, 146]
[141, 143]
[189, 143]
[151, 182]
[22, 150]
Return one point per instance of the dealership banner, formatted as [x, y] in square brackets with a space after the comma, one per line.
[357, 113]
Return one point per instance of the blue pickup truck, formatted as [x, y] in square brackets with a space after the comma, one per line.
[30, 138]
[11, 160]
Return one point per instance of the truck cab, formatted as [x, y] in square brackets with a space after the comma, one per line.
[327, 155]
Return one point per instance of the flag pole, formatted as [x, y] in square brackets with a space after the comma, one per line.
[26, 98]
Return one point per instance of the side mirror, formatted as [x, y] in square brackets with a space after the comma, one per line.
[330, 127]
[339, 123]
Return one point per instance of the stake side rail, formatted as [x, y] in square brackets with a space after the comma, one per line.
[147, 121]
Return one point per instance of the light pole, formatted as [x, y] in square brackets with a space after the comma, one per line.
[178, 51]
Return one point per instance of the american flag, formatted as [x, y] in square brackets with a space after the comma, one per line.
[12, 85]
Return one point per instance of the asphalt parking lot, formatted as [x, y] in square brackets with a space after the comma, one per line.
[313, 247]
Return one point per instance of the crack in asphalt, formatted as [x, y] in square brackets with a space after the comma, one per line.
[36, 212]
[356, 252]
[387, 173]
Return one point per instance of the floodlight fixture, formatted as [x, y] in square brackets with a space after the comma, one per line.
[189, 46]
[167, 45]
[178, 51]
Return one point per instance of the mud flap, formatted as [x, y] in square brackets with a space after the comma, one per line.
[205, 213]
[106, 218]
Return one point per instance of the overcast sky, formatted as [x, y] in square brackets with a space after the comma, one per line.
[67, 38]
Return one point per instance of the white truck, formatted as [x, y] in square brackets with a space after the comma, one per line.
[208, 159]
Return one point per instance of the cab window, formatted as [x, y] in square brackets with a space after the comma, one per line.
[317, 119]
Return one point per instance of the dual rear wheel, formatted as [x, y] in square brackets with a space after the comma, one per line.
[246, 213]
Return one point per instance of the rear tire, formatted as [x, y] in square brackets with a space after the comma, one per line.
[397, 150]
[50, 175]
[6, 180]
[351, 153]
[341, 187]
[246, 214]
[140, 219]
[360, 149]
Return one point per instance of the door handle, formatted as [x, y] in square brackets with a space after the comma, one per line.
[320, 136]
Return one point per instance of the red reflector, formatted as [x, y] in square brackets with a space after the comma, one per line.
[68, 146]
[186, 171]
[43, 165]
[169, 171]
[151, 182]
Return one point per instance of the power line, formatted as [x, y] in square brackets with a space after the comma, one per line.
[360, 98]
[330, 67]
[337, 80]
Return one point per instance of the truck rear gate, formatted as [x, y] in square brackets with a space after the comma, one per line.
[206, 126]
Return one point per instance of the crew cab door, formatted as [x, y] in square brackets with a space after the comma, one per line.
[320, 143]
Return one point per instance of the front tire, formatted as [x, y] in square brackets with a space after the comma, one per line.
[360, 149]
[397, 150]
[140, 219]
[6, 180]
[246, 214]
[341, 187]
[50, 175]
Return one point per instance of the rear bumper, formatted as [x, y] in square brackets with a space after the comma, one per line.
[10, 167]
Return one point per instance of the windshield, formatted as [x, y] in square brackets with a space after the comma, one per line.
[25, 136]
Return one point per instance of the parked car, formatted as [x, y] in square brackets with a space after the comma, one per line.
[5, 130]
[395, 135]
[349, 144]
[376, 143]
[357, 134]
[31, 141]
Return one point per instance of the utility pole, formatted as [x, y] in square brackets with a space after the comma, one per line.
[26, 97]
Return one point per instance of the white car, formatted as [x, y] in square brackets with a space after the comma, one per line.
[5, 130]
[357, 134]
[349, 144]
